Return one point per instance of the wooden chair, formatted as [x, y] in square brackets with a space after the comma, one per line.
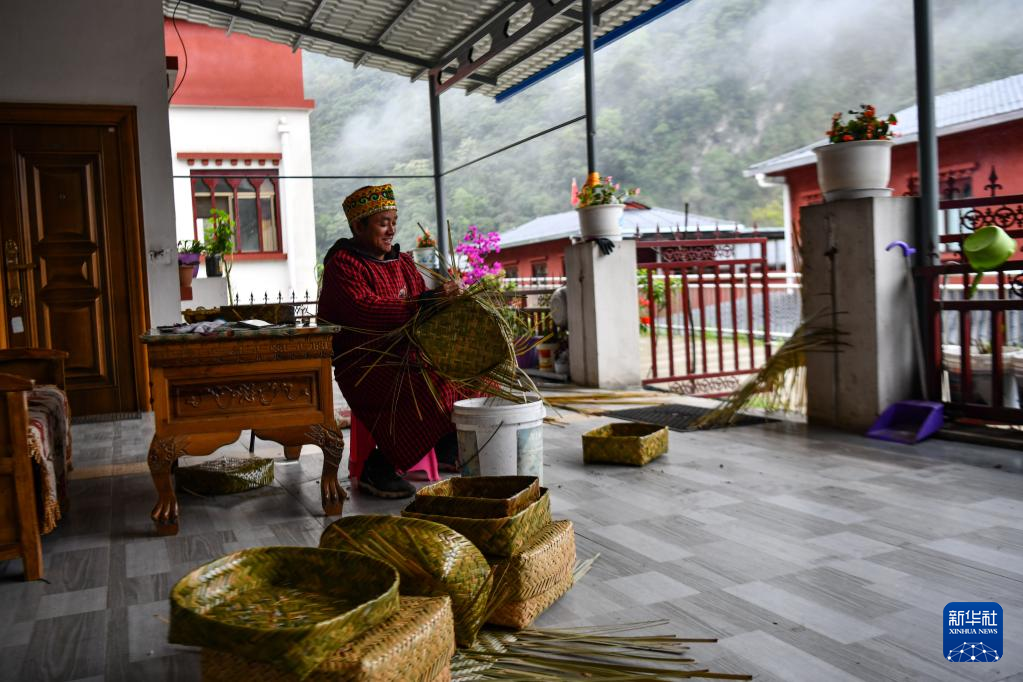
[20, 369]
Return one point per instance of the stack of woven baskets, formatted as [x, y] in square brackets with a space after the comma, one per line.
[508, 518]
[296, 613]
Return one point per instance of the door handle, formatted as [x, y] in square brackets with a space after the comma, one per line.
[12, 256]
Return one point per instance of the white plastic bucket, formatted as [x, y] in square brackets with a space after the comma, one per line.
[500, 438]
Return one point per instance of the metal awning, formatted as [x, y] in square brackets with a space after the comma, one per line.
[482, 46]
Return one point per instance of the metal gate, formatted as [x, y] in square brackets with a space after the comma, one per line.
[706, 311]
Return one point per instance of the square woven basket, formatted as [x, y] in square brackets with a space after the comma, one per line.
[500, 537]
[544, 564]
[479, 496]
[414, 645]
[225, 476]
[625, 443]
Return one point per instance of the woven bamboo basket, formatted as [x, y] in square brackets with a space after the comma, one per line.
[542, 565]
[291, 606]
[413, 645]
[463, 340]
[226, 475]
[521, 614]
[480, 497]
[499, 537]
[431, 559]
[625, 443]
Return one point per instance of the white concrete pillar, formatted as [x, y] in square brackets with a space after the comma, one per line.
[868, 288]
[603, 316]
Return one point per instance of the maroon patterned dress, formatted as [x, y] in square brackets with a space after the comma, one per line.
[368, 298]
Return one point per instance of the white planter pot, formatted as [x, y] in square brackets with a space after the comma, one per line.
[429, 262]
[603, 221]
[854, 170]
[500, 438]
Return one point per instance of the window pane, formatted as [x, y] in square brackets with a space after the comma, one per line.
[268, 202]
[540, 269]
[202, 212]
[248, 227]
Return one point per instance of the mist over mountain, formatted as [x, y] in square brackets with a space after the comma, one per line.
[684, 105]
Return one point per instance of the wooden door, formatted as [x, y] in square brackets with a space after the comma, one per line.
[70, 244]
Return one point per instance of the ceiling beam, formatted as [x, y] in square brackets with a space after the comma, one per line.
[542, 11]
[561, 35]
[387, 30]
[308, 23]
[307, 32]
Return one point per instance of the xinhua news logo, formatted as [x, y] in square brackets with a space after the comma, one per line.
[973, 631]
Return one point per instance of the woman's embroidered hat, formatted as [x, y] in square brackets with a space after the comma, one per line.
[368, 200]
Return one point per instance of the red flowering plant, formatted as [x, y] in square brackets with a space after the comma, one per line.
[425, 240]
[606, 191]
[864, 126]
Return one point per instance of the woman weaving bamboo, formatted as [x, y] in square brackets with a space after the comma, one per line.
[371, 288]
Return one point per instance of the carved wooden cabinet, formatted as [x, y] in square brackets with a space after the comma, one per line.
[206, 389]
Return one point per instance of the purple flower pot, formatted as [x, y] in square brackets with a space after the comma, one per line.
[530, 358]
[190, 259]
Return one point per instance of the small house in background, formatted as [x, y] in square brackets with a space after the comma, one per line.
[979, 151]
[536, 249]
[239, 126]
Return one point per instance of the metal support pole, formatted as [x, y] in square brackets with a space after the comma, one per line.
[438, 166]
[927, 144]
[927, 157]
[591, 123]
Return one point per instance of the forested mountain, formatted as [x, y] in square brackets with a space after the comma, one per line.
[684, 105]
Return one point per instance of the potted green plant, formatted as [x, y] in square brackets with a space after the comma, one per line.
[189, 251]
[219, 241]
[600, 204]
[857, 162]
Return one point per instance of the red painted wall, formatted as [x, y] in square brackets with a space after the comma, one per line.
[233, 70]
[999, 145]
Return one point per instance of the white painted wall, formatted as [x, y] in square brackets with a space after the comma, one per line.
[103, 52]
[243, 130]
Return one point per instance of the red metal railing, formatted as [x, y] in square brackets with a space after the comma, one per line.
[981, 383]
[711, 293]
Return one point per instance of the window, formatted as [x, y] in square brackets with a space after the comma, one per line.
[511, 271]
[251, 200]
[539, 268]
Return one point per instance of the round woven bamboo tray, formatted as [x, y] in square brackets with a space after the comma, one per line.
[496, 537]
[431, 559]
[463, 340]
[290, 606]
[413, 645]
[544, 563]
[479, 496]
[225, 476]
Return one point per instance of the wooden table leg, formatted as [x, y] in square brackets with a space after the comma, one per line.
[332, 442]
[291, 452]
[163, 452]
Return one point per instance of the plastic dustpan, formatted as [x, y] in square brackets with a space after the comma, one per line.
[908, 421]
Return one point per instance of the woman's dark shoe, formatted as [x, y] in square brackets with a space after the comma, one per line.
[379, 478]
[446, 450]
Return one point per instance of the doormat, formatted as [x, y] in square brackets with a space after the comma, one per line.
[679, 417]
[109, 417]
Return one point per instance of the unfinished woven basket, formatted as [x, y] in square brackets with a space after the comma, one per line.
[542, 565]
[498, 537]
[521, 614]
[225, 476]
[291, 606]
[625, 443]
[481, 497]
[431, 559]
[461, 339]
[413, 645]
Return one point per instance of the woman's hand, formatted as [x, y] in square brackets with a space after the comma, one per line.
[449, 288]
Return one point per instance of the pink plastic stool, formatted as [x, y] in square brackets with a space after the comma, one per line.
[361, 443]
